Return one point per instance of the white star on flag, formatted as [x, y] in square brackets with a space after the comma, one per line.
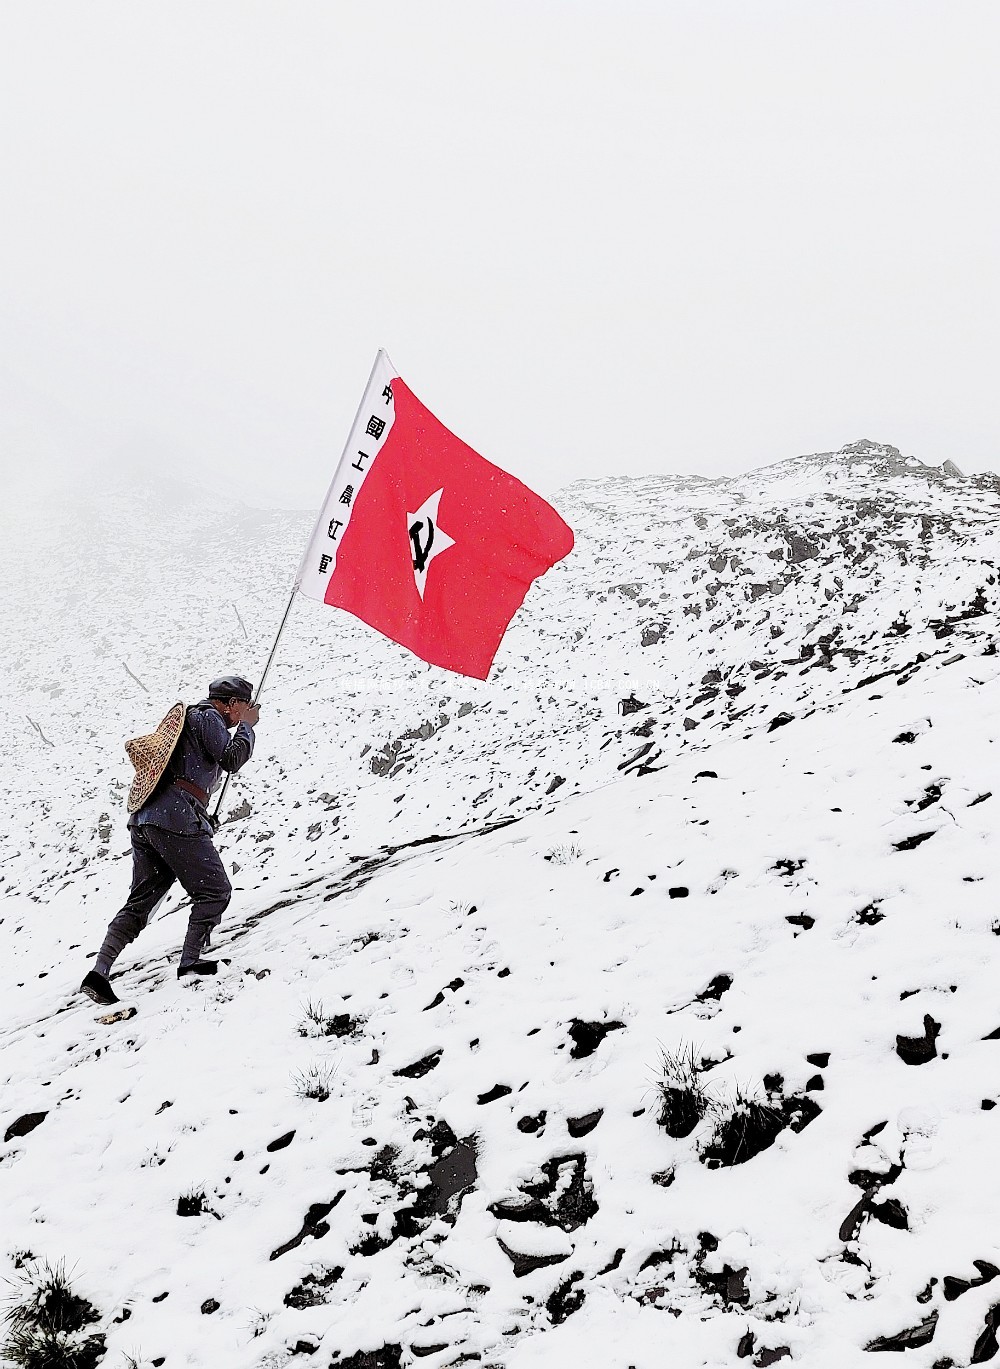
[426, 538]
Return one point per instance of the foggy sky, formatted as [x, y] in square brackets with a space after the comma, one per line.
[593, 238]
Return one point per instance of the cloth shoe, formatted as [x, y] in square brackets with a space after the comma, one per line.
[95, 986]
[199, 967]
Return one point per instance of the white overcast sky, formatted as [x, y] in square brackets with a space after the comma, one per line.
[594, 238]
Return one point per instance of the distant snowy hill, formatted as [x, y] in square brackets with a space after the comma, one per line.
[727, 796]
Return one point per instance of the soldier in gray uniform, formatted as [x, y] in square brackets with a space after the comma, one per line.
[172, 834]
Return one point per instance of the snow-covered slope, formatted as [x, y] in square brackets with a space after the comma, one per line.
[479, 915]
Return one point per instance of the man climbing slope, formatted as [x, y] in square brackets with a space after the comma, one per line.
[170, 828]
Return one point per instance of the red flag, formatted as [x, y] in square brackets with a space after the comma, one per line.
[424, 539]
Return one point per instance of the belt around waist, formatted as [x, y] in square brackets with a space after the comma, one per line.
[194, 790]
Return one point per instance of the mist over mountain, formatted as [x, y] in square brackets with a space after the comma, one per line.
[712, 845]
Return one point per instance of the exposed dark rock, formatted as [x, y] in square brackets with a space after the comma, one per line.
[420, 1067]
[565, 1300]
[451, 1175]
[312, 1225]
[532, 1124]
[630, 705]
[955, 1287]
[497, 1091]
[678, 891]
[388, 1357]
[909, 1339]
[24, 1125]
[987, 1345]
[728, 1284]
[802, 920]
[819, 1058]
[583, 1126]
[587, 1036]
[869, 915]
[562, 1197]
[718, 986]
[917, 1050]
[209, 1306]
[910, 843]
[281, 1142]
[527, 1264]
[780, 720]
[311, 1291]
[890, 1213]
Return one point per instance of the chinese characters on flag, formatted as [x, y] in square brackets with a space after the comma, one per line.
[424, 539]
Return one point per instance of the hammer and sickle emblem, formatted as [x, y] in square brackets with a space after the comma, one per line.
[421, 550]
[427, 540]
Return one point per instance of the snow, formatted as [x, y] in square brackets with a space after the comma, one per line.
[743, 890]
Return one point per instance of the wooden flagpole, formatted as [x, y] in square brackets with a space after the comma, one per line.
[214, 818]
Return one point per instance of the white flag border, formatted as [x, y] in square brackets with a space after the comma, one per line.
[321, 549]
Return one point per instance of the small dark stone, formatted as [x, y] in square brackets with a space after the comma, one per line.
[582, 1126]
[918, 1050]
[780, 720]
[587, 1036]
[815, 1083]
[819, 1058]
[312, 1225]
[718, 986]
[532, 1124]
[802, 920]
[160, 1296]
[281, 1142]
[909, 1339]
[890, 1213]
[24, 1125]
[987, 1345]
[706, 775]
[527, 1264]
[679, 891]
[497, 1091]
[910, 843]
[954, 1287]
[420, 1067]
[209, 1306]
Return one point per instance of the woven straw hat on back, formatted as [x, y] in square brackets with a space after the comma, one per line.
[150, 755]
